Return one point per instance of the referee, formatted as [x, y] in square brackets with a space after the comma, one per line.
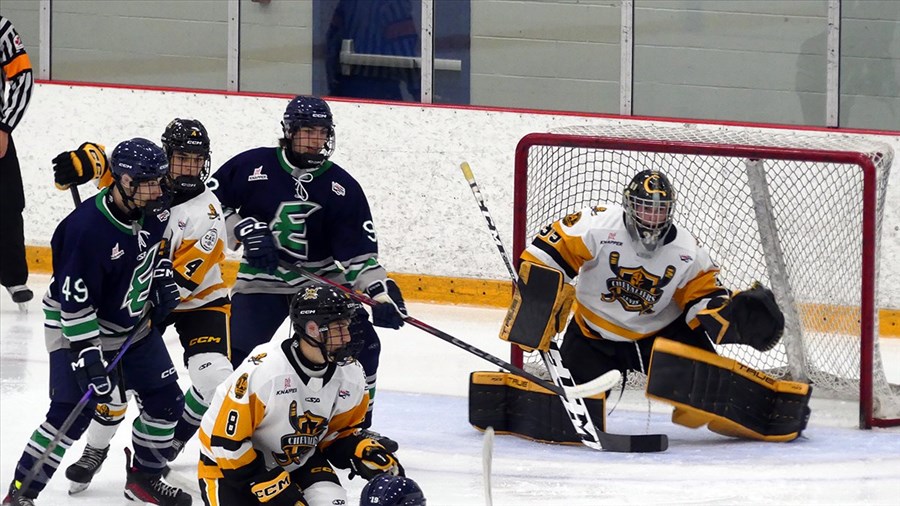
[16, 85]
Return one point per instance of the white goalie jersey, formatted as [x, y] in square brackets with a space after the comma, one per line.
[619, 295]
[198, 251]
[269, 408]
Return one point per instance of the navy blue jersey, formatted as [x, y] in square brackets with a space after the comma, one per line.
[102, 274]
[317, 218]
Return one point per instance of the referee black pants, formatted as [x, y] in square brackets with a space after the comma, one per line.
[13, 268]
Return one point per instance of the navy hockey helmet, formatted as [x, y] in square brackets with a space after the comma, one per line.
[389, 490]
[649, 202]
[308, 111]
[142, 160]
[322, 305]
[187, 136]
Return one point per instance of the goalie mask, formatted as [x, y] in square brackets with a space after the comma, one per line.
[147, 170]
[308, 132]
[389, 490]
[319, 311]
[649, 202]
[187, 147]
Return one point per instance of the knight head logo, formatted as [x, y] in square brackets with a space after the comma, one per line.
[308, 429]
[635, 288]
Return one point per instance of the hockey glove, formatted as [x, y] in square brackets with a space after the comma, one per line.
[79, 166]
[371, 459]
[90, 369]
[390, 310]
[260, 249]
[274, 488]
[164, 294]
[757, 317]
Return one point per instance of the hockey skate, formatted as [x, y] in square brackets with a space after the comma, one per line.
[21, 295]
[389, 444]
[82, 472]
[150, 489]
[12, 500]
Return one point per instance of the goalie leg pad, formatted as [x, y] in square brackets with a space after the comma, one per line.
[513, 405]
[733, 399]
[540, 307]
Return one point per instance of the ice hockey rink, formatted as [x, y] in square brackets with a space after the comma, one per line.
[421, 402]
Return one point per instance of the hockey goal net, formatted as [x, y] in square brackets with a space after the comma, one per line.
[799, 212]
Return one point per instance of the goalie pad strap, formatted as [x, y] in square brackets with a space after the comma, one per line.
[734, 399]
[540, 307]
[513, 405]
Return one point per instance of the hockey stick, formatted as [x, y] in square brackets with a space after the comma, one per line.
[593, 387]
[487, 455]
[76, 197]
[76, 411]
[576, 408]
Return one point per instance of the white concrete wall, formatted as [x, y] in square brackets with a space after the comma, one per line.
[406, 158]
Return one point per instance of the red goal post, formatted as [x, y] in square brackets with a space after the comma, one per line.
[800, 211]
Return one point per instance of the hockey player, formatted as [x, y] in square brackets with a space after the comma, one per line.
[292, 203]
[107, 264]
[197, 230]
[389, 490]
[648, 300]
[292, 411]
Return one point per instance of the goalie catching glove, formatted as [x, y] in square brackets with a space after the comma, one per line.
[274, 488]
[540, 307]
[750, 317]
[79, 166]
[391, 309]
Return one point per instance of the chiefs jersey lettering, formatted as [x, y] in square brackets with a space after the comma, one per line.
[619, 295]
[308, 429]
[634, 287]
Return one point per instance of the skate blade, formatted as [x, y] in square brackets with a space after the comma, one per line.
[75, 487]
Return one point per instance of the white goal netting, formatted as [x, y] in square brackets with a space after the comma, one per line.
[789, 209]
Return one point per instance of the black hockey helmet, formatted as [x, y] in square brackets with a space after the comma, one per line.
[389, 490]
[649, 202]
[322, 305]
[307, 111]
[141, 160]
[187, 136]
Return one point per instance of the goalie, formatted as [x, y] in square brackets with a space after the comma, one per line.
[648, 300]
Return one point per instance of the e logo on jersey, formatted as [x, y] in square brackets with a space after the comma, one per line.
[307, 430]
[634, 287]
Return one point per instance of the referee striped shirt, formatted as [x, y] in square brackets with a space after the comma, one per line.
[16, 78]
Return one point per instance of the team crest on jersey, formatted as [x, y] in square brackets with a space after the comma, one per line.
[571, 219]
[240, 386]
[213, 214]
[257, 359]
[311, 293]
[257, 175]
[634, 287]
[338, 189]
[308, 428]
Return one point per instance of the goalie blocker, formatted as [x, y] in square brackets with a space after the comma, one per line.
[540, 307]
[513, 405]
[731, 398]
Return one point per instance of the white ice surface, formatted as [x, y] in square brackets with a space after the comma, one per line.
[421, 402]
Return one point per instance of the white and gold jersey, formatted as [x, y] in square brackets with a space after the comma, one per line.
[270, 409]
[619, 295]
[198, 250]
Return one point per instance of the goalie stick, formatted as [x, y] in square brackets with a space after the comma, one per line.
[576, 408]
[593, 387]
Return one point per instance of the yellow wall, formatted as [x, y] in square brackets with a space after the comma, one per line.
[493, 293]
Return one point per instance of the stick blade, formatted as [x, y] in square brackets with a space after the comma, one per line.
[601, 383]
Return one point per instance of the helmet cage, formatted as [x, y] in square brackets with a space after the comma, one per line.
[305, 111]
[142, 161]
[649, 202]
[187, 136]
[322, 305]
